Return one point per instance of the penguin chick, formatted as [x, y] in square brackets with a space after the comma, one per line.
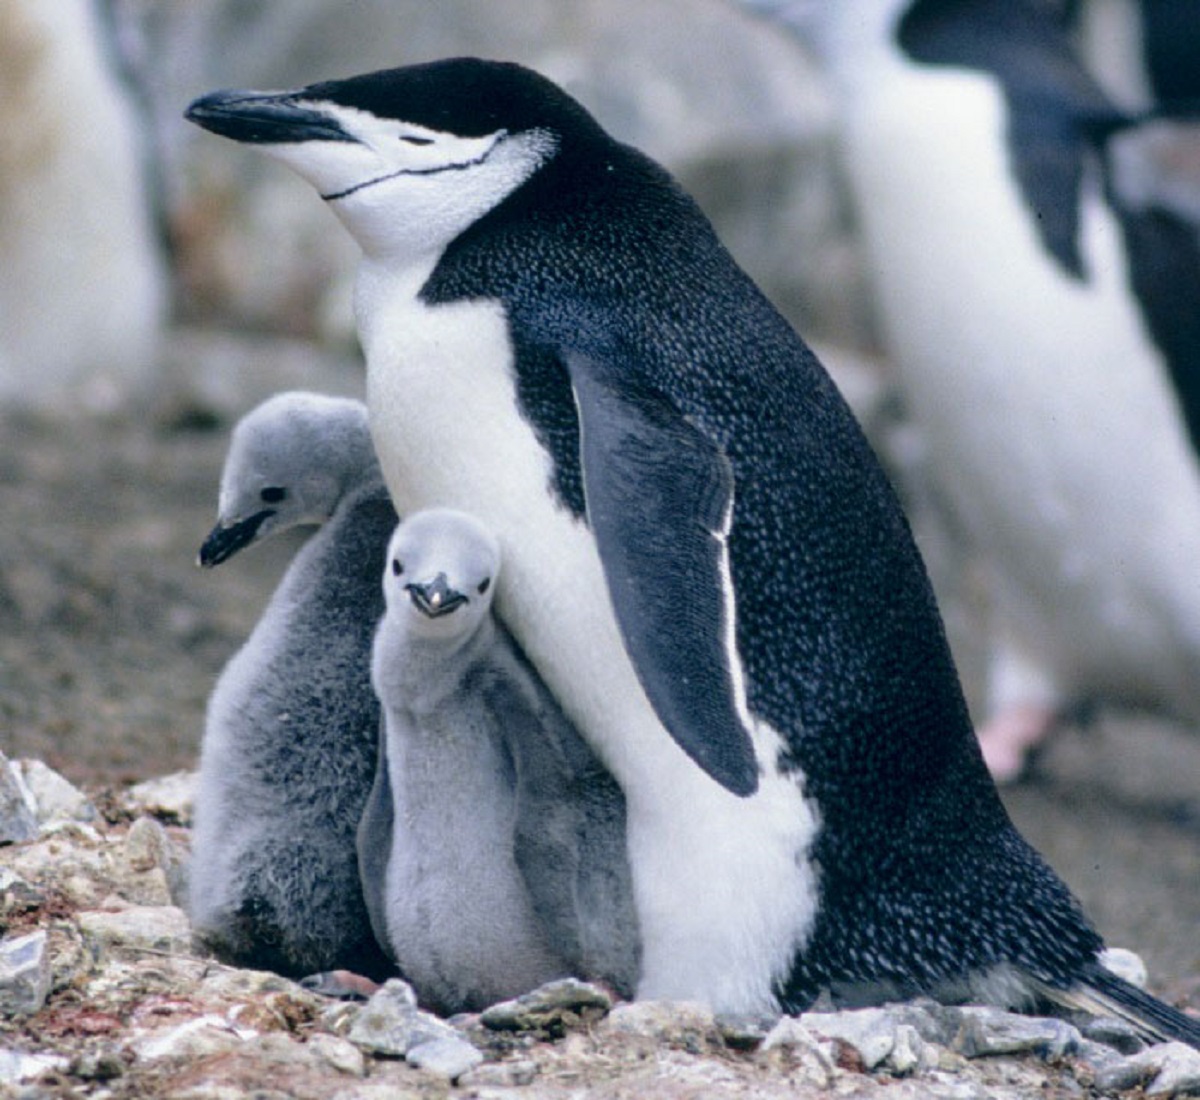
[289, 746]
[479, 905]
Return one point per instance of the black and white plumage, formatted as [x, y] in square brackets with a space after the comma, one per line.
[493, 843]
[703, 559]
[289, 746]
[1037, 268]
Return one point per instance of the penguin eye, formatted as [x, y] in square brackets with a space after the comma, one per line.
[413, 139]
[397, 567]
[273, 494]
[483, 586]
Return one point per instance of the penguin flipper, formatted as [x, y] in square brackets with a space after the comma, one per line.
[374, 844]
[659, 496]
[1103, 993]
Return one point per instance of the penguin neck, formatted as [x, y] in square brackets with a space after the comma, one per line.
[420, 675]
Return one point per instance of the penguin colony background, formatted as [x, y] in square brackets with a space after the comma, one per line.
[703, 563]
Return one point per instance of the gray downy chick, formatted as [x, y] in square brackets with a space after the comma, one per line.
[289, 749]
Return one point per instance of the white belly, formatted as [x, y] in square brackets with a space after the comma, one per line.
[724, 894]
[1045, 404]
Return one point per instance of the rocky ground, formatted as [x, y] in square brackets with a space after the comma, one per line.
[102, 994]
[110, 641]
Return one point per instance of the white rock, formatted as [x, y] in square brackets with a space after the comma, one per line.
[54, 798]
[870, 1031]
[195, 1038]
[1170, 1069]
[1125, 964]
[665, 1021]
[506, 1075]
[339, 1053]
[390, 1022]
[159, 928]
[17, 1066]
[449, 1057]
[170, 796]
[18, 811]
[24, 973]
[988, 1031]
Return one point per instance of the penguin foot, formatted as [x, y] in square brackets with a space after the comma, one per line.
[342, 985]
[1008, 738]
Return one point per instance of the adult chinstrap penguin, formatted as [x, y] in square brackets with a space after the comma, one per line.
[703, 558]
[289, 745]
[1036, 261]
[493, 843]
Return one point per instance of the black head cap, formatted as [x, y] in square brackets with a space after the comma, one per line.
[467, 96]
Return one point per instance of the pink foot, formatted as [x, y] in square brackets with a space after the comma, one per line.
[1007, 738]
[343, 984]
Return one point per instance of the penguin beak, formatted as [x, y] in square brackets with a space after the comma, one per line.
[435, 598]
[226, 539]
[263, 118]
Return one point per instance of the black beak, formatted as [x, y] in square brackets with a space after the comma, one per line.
[263, 118]
[226, 540]
[435, 598]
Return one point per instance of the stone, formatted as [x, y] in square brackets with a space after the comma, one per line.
[153, 928]
[688, 1024]
[744, 1031]
[391, 1023]
[1112, 1032]
[341, 1054]
[1165, 1069]
[792, 1047]
[17, 1066]
[548, 1006]
[870, 1031]
[169, 798]
[24, 973]
[987, 1031]
[103, 1063]
[1125, 964]
[504, 1075]
[18, 817]
[18, 895]
[450, 1057]
[54, 798]
[194, 1038]
[150, 867]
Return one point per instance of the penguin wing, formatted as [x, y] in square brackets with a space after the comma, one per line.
[659, 496]
[374, 845]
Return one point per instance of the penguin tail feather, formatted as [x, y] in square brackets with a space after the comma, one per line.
[1101, 993]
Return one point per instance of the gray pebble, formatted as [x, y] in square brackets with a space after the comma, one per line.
[17, 819]
[449, 1057]
[988, 1031]
[391, 1023]
[545, 1006]
[1165, 1070]
[24, 973]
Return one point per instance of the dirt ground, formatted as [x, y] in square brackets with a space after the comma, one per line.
[111, 637]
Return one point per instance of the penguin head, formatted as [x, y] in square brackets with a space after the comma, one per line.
[290, 462]
[440, 575]
[408, 158]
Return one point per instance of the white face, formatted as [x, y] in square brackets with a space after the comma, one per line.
[441, 542]
[403, 189]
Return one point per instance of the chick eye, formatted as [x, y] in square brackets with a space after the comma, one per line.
[397, 567]
[483, 586]
[413, 139]
[273, 494]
